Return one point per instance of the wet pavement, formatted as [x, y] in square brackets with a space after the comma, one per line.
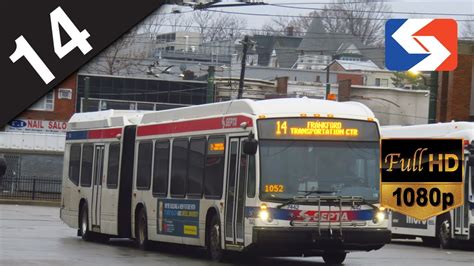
[32, 235]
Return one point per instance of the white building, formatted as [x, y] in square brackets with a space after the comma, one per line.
[392, 106]
[178, 41]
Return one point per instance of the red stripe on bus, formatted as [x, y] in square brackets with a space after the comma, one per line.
[104, 133]
[195, 125]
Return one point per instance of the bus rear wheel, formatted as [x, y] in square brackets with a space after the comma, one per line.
[444, 233]
[334, 258]
[141, 231]
[84, 226]
[214, 247]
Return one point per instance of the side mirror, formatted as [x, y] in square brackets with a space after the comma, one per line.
[250, 146]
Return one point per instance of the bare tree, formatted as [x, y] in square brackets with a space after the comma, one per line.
[213, 26]
[179, 22]
[279, 25]
[126, 54]
[154, 22]
[365, 20]
[122, 56]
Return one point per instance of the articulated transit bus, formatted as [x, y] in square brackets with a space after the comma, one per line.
[274, 177]
[456, 225]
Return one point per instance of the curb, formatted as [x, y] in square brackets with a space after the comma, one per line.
[31, 202]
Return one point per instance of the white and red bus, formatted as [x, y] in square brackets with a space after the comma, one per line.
[277, 177]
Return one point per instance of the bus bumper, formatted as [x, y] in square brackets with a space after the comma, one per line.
[296, 240]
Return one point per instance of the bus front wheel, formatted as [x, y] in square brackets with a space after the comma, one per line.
[141, 231]
[85, 233]
[334, 258]
[214, 235]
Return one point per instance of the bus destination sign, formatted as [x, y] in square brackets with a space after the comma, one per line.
[318, 128]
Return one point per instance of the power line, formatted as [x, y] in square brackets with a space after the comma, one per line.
[368, 11]
[302, 16]
[329, 2]
[147, 93]
[323, 35]
[210, 45]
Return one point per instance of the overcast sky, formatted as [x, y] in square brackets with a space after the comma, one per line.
[458, 9]
[415, 6]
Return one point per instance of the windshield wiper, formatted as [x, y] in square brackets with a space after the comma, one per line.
[310, 192]
[307, 193]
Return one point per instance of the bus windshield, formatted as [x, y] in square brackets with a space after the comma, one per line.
[292, 168]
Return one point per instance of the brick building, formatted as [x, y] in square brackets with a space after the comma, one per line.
[455, 99]
[49, 115]
[33, 143]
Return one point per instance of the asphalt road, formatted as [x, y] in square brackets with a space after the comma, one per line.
[36, 236]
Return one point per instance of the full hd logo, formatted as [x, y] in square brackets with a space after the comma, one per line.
[421, 44]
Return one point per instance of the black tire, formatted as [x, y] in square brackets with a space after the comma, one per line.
[444, 232]
[141, 231]
[214, 247]
[84, 224]
[334, 258]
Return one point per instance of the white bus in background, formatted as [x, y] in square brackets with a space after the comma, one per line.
[274, 177]
[458, 224]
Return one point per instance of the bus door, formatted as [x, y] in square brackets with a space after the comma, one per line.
[461, 214]
[235, 193]
[97, 187]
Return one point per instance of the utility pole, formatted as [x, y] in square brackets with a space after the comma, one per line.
[210, 83]
[328, 85]
[245, 43]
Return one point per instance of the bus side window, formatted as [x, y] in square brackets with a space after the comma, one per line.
[74, 163]
[113, 165]
[197, 152]
[145, 152]
[251, 178]
[161, 168]
[179, 162]
[214, 172]
[86, 166]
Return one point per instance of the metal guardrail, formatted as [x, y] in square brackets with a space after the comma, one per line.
[31, 188]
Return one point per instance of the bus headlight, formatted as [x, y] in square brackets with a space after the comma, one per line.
[264, 214]
[379, 216]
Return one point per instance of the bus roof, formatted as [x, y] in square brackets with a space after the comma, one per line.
[463, 130]
[104, 119]
[268, 108]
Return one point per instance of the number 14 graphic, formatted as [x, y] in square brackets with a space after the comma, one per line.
[78, 39]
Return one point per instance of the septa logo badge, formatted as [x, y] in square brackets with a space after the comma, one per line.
[421, 44]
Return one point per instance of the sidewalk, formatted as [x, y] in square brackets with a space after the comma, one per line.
[30, 202]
